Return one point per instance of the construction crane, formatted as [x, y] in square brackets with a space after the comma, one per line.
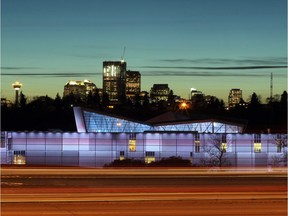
[123, 54]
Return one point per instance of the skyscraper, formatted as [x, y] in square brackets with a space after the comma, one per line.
[234, 97]
[133, 84]
[114, 79]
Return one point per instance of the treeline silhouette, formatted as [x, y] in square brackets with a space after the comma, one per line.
[44, 113]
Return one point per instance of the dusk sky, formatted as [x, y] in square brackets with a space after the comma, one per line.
[210, 45]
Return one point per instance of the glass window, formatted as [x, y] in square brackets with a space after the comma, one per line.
[224, 147]
[257, 138]
[132, 142]
[149, 157]
[122, 155]
[278, 144]
[132, 145]
[257, 147]
[197, 146]
[19, 157]
[197, 142]
[257, 142]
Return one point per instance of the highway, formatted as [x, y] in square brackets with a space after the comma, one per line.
[85, 191]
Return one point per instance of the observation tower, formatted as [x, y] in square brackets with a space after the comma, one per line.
[17, 86]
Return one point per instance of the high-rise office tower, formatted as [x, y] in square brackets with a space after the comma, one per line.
[114, 79]
[159, 92]
[133, 84]
[234, 97]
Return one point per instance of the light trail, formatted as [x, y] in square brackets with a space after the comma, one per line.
[114, 197]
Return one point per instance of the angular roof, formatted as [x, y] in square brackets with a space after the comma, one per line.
[95, 121]
[167, 117]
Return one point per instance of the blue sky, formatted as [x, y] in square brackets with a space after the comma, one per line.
[210, 45]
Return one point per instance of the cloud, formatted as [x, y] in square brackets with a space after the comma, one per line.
[19, 68]
[215, 68]
[205, 74]
[279, 61]
[73, 74]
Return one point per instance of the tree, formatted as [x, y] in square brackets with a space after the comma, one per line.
[171, 97]
[216, 151]
[58, 102]
[69, 100]
[96, 98]
[198, 102]
[255, 100]
[89, 100]
[137, 101]
[283, 100]
[23, 100]
[105, 99]
[280, 140]
[215, 105]
[145, 100]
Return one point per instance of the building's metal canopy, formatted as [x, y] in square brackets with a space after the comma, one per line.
[94, 121]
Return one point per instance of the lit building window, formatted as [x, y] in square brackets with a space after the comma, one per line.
[19, 157]
[278, 143]
[197, 142]
[257, 147]
[132, 143]
[149, 157]
[224, 147]
[224, 143]
[122, 155]
[257, 142]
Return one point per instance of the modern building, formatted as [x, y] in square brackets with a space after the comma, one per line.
[159, 92]
[234, 97]
[102, 138]
[79, 88]
[6, 103]
[197, 97]
[195, 92]
[114, 79]
[92, 121]
[132, 84]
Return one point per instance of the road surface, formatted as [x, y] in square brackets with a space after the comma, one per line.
[83, 191]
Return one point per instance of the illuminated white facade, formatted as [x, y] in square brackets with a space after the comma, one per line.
[100, 139]
[98, 149]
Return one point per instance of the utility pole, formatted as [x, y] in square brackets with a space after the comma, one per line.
[271, 87]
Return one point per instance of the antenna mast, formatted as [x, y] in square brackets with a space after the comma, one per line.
[271, 87]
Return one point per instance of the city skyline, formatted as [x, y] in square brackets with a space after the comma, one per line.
[212, 46]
